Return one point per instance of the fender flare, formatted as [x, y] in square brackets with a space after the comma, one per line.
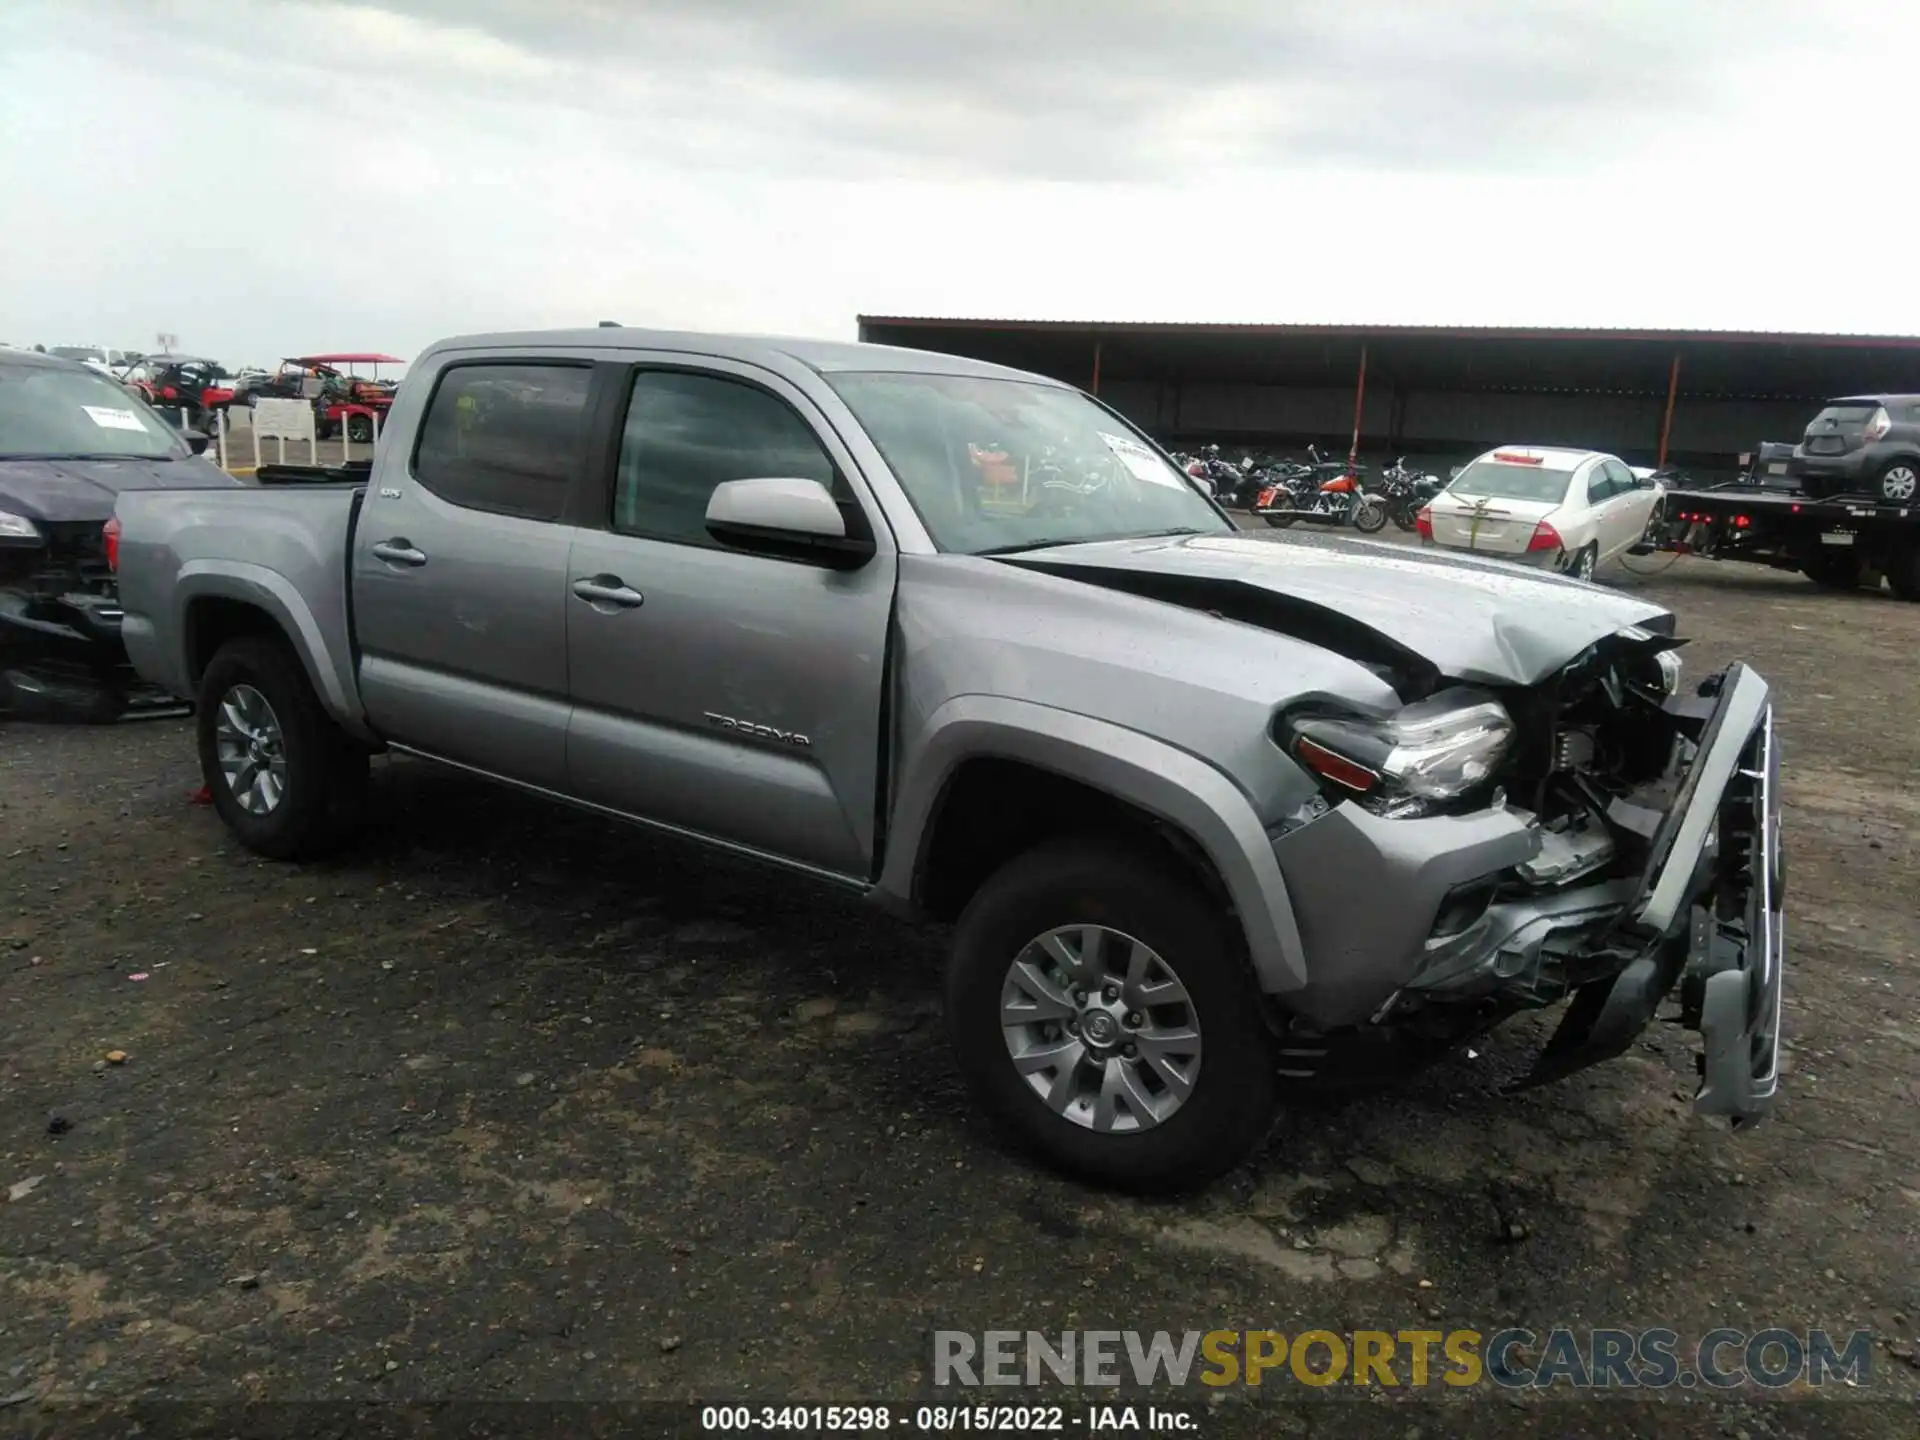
[270, 593]
[1177, 787]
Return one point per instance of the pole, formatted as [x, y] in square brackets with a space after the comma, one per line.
[1096, 365]
[1359, 399]
[1666, 421]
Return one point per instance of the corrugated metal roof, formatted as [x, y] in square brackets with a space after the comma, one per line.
[1491, 332]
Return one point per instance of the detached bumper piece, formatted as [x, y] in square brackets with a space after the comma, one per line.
[61, 660]
[1706, 915]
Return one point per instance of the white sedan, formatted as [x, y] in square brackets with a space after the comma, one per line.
[1565, 509]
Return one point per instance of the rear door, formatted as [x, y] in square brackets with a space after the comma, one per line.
[460, 567]
[732, 695]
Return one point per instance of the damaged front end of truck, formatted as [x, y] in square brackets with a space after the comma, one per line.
[1619, 848]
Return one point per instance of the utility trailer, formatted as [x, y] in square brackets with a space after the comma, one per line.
[1844, 542]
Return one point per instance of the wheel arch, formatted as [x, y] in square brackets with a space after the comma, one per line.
[217, 605]
[1023, 754]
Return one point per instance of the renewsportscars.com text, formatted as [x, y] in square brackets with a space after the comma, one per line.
[1655, 1359]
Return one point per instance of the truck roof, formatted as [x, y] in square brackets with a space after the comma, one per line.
[823, 356]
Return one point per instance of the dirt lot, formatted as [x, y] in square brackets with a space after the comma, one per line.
[511, 1104]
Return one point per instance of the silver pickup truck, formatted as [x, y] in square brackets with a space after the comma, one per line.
[1210, 814]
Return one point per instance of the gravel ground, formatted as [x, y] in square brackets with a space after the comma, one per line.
[508, 1103]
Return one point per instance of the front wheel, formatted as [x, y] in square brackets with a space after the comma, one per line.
[284, 778]
[1370, 518]
[1280, 522]
[1101, 1011]
[1405, 518]
[360, 429]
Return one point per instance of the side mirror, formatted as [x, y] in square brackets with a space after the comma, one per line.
[787, 517]
[197, 442]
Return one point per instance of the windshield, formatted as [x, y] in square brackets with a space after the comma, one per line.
[999, 465]
[1498, 480]
[77, 352]
[48, 412]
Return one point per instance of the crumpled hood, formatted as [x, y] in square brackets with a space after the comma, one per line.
[1471, 619]
[73, 490]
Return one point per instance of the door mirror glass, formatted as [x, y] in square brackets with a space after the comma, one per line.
[784, 515]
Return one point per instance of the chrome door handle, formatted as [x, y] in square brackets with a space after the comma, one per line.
[608, 590]
[398, 551]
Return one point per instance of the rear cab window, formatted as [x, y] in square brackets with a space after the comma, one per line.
[506, 437]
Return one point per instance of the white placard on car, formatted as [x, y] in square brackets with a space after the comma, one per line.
[108, 418]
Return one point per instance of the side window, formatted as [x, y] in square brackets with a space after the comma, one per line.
[1913, 414]
[1621, 478]
[505, 438]
[686, 434]
[1599, 484]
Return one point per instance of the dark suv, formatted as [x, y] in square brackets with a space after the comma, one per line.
[1862, 443]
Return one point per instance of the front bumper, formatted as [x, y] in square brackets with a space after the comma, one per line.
[1702, 916]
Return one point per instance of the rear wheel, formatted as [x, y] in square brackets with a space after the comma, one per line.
[1903, 572]
[1584, 563]
[1841, 570]
[1101, 1011]
[1899, 482]
[360, 429]
[285, 779]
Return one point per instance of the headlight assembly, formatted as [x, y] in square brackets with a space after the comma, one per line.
[1411, 763]
[19, 529]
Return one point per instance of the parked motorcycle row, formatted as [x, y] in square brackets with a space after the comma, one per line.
[1317, 491]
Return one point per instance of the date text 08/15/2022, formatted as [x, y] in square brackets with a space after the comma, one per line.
[948, 1419]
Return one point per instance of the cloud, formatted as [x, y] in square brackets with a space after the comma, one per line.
[260, 176]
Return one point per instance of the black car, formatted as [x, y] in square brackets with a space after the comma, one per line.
[1862, 444]
[70, 441]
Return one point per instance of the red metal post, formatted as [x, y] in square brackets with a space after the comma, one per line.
[1359, 399]
[1096, 365]
[1666, 421]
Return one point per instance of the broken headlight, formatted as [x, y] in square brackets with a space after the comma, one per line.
[1413, 762]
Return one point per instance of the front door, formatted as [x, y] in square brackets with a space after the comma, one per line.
[460, 570]
[728, 694]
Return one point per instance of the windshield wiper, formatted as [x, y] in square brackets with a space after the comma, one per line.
[1045, 542]
[80, 455]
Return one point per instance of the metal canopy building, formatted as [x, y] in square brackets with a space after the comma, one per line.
[1696, 398]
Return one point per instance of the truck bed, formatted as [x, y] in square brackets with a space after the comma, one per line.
[283, 547]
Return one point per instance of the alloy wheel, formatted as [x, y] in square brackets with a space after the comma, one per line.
[1100, 1028]
[252, 750]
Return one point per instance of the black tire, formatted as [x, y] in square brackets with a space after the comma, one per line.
[1840, 570]
[1370, 517]
[1405, 518]
[1587, 559]
[1898, 482]
[1071, 882]
[326, 773]
[360, 429]
[1903, 572]
[1280, 522]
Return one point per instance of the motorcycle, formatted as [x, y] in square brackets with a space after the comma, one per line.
[1406, 492]
[1321, 492]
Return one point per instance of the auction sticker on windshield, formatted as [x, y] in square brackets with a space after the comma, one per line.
[108, 418]
[1140, 461]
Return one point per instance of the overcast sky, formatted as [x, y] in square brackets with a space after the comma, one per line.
[262, 177]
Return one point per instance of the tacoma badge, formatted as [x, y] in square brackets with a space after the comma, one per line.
[759, 732]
